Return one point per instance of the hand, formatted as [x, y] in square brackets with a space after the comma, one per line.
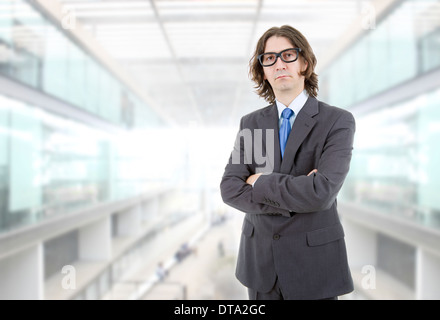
[312, 172]
[253, 178]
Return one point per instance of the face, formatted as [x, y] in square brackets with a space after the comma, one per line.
[284, 77]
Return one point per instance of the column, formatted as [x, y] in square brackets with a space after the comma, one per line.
[428, 275]
[129, 221]
[21, 275]
[95, 241]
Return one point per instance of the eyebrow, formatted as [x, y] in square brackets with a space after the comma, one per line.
[280, 50]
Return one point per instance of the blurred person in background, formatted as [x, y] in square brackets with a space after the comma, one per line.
[292, 244]
[161, 272]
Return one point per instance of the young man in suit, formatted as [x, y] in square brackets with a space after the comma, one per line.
[292, 243]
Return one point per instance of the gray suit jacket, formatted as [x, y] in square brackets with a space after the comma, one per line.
[291, 229]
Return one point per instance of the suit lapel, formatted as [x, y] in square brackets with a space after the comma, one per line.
[303, 124]
[269, 120]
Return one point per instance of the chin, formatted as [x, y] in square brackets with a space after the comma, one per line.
[286, 87]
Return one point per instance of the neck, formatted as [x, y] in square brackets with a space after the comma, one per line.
[286, 97]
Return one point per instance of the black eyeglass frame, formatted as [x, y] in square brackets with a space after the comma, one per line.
[278, 55]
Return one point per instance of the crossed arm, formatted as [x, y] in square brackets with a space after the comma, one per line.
[253, 178]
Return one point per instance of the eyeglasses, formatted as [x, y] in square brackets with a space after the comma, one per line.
[270, 58]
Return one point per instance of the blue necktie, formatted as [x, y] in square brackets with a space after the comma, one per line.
[285, 128]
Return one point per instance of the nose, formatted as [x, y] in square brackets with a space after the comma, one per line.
[280, 64]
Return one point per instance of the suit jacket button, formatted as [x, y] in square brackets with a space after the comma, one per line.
[276, 237]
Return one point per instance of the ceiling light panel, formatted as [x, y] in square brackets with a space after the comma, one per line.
[83, 5]
[132, 41]
[171, 4]
[203, 10]
[104, 9]
[206, 39]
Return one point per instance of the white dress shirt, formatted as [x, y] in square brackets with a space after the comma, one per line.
[296, 106]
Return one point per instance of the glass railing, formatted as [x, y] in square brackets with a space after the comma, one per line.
[404, 45]
[51, 165]
[40, 54]
[394, 168]
[395, 160]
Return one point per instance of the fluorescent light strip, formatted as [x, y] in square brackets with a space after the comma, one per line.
[208, 3]
[114, 13]
[106, 5]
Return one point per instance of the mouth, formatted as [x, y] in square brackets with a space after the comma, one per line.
[282, 77]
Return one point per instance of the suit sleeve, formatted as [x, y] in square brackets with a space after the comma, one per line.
[235, 191]
[318, 191]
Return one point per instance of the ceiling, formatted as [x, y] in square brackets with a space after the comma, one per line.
[191, 56]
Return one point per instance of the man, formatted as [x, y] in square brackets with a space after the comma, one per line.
[292, 244]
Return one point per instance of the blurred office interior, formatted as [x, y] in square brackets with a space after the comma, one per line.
[118, 117]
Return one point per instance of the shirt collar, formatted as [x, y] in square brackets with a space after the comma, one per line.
[296, 105]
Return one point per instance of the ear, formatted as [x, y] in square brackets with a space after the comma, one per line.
[306, 64]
